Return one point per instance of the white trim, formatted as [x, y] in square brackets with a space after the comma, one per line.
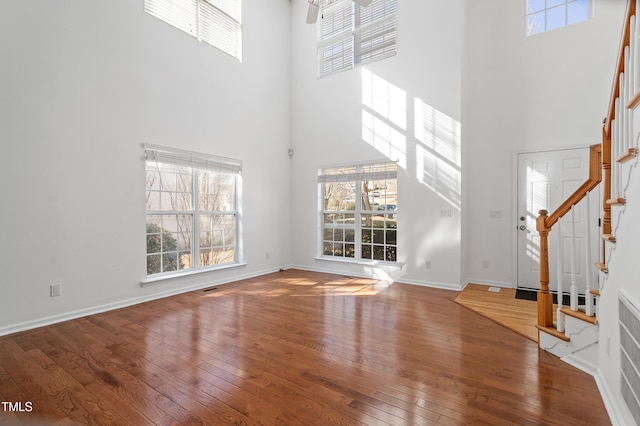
[151, 280]
[489, 283]
[365, 262]
[79, 313]
[444, 286]
[618, 411]
[431, 284]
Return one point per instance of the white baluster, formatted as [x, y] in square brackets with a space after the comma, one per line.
[636, 52]
[626, 92]
[632, 60]
[614, 150]
[587, 274]
[560, 274]
[620, 113]
[573, 302]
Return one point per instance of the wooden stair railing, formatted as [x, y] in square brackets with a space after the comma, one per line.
[599, 170]
[625, 41]
[545, 222]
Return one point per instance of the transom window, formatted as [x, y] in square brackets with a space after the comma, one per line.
[215, 22]
[359, 218]
[546, 15]
[191, 211]
[350, 34]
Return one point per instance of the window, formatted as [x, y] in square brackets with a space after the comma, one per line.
[216, 22]
[546, 15]
[359, 218]
[350, 34]
[191, 211]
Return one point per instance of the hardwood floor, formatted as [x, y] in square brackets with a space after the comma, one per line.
[502, 307]
[292, 348]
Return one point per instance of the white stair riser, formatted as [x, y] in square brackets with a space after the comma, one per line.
[580, 333]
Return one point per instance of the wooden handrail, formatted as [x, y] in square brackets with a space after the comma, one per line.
[595, 177]
[624, 42]
[600, 158]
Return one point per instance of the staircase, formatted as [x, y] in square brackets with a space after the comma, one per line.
[575, 330]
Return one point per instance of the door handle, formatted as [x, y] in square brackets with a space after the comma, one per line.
[523, 228]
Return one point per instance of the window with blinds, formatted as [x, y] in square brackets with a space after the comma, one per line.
[215, 22]
[359, 214]
[192, 217]
[350, 34]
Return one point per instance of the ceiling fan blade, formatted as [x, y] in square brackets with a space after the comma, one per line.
[363, 3]
[312, 13]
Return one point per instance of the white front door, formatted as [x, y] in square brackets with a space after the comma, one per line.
[545, 180]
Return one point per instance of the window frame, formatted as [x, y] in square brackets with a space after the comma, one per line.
[555, 5]
[194, 165]
[217, 23]
[350, 34]
[355, 175]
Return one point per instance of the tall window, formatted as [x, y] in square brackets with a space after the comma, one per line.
[350, 34]
[216, 22]
[359, 217]
[546, 15]
[191, 210]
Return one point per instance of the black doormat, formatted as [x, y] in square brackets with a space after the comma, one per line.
[526, 294]
[533, 295]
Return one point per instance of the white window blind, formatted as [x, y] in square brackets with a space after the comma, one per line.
[351, 34]
[191, 159]
[361, 172]
[215, 22]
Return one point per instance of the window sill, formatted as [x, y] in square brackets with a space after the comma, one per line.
[379, 263]
[161, 278]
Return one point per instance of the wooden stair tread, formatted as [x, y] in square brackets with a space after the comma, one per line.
[634, 102]
[579, 315]
[616, 201]
[629, 155]
[595, 292]
[555, 333]
[609, 238]
[602, 267]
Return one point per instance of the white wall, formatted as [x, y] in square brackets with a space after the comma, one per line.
[81, 90]
[525, 93]
[327, 120]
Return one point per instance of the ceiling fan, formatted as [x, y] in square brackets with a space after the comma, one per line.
[314, 7]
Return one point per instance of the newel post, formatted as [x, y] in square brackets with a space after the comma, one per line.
[545, 299]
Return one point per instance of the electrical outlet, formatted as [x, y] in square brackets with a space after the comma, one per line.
[485, 264]
[445, 213]
[267, 255]
[427, 264]
[55, 289]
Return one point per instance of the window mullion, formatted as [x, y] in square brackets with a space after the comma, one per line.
[195, 218]
[357, 221]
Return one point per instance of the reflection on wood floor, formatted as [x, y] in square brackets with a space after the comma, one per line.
[292, 348]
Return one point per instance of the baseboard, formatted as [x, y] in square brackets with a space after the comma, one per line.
[489, 283]
[618, 412]
[444, 286]
[582, 363]
[53, 319]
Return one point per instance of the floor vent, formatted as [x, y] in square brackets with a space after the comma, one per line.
[629, 312]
